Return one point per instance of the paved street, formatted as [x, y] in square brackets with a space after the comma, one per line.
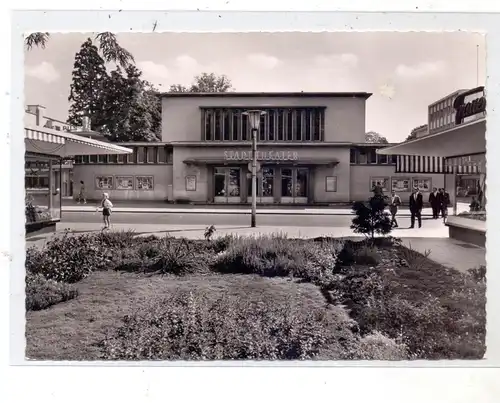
[268, 220]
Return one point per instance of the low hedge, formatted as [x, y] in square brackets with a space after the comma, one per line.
[191, 326]
[42, 293]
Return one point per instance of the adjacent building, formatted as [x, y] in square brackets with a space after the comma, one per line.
[311, 151]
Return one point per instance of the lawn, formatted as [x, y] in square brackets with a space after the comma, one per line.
[118, 296]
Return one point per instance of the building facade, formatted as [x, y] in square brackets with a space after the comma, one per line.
[311, 151]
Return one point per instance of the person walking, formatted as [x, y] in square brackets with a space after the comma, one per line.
[81, 194]
[106, 206]
[393, 208]
[434, 202]
[416, 205]
[444, 202]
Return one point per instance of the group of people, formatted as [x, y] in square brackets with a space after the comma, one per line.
[439, 200]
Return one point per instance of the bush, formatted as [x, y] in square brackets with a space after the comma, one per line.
[371, 218]
[42, 293]
[376, 346]
[69, 258]
[277, 256]
[180, 257]
[193, 327]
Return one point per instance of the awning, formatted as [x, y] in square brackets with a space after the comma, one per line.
[469, 138]
[229, 162]
[53, 142]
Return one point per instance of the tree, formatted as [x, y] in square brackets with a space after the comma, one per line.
[109, 47]
[132, 107]
[375, 138]
[205, 82]
[415, 130]
[88, 85]
[371, 217]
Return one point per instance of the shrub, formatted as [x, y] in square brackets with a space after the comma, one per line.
[180, 257]
[193, 327]
[42, 293]
[376, 346]
[276, 256]
[371, 217]
[478, 273]
[116, 239]
[69, 258]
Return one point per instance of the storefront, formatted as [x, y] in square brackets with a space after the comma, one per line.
[463, 150]
[47, 152]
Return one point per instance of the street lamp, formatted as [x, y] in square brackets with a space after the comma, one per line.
[254, 119]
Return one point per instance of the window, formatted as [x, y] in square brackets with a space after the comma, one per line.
[400, 185]
[220, 182]
[124, 183]
[318, 125]
[144, 183]
[372, 156]
[245, 128]
[151, 155]
[271, 117]
[236, 119]
[353, 157]
[122, 158]
[208, 125]
[267, 187]
[93, 159]
[113, 158]
[301, 182]
[394, 159]
[289, 125]
[299, 124]
[331, 184]
[280, 125]
[141, 155]
[423, 184]
[233, 188]
[383, 159]
[162, 155]
[104, 182]
[362, 157]
[381, 182]
[227, 125]
[218, 127]
[308, 123]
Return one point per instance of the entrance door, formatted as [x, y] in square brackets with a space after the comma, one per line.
[227, 183]
[294, 185]
[265, 186]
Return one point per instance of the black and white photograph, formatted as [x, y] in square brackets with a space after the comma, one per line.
[279, 196]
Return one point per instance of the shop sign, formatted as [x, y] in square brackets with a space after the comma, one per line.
[261, 155]
[471, 108]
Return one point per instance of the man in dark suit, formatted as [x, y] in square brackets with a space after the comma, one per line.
[444, 202]
[435, 203]
[416, 205]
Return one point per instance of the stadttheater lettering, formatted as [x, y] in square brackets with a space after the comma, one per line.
[465, 110]
[261, 155]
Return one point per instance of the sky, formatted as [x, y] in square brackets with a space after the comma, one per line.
[405, 71]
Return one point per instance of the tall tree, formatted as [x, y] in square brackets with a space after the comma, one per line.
[415, 130]
[132, 107]
[205, 82]
[88, 85]
[375, 138]
[109, 47]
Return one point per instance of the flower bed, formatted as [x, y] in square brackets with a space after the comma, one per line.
[400, 304]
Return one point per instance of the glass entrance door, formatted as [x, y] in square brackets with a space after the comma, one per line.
[227, 183]
[265, 186]
[294, 185]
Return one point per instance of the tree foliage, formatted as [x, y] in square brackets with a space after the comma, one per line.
[87, 87]
[108, 46]
[120, 105]
[371, 217]
[413, 133]
[205, 82]
[375, 138]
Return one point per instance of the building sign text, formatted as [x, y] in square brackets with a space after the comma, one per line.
[465, 110]
[261, 155]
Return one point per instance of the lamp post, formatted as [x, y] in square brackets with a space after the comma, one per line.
[254, 119]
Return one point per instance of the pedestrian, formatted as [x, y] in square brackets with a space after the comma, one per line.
[106, 206]
[475, 206]
[393, 208]
[416, 205]
[434, 202]
[81, 194]
[444, 202]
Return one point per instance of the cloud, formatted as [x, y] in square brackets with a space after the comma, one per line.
[153, 70]
[420, 70]
[264, 61]
[186, 62]
[44, 71]
[336, 60]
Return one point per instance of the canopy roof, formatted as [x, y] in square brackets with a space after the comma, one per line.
[63, 144]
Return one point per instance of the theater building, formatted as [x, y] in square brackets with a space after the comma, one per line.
[311, 151]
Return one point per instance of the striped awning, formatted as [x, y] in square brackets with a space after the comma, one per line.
[438, 165]
[43, 136]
